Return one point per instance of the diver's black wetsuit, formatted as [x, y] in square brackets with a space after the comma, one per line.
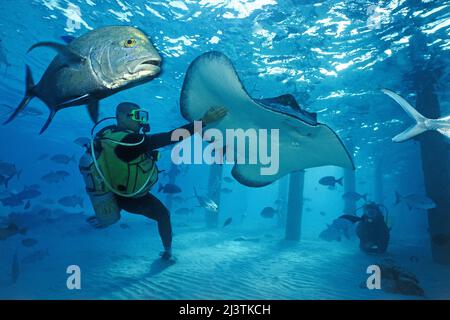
[374, 236]
[148, 205]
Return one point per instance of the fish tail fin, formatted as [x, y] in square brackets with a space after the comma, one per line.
[414, 130]
[49, 120]
[364, 196]
[339, 181]
[398, 198]
[161, 187]
[444, 131]
[410, 132]
[29, 94]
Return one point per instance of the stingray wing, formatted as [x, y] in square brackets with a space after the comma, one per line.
[211, 80]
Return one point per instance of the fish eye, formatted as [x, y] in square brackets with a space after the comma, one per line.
[130, 43]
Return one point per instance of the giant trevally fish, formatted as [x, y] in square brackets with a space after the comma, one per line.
[441, 125]
[92, 67]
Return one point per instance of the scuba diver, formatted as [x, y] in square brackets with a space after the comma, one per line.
[372, 230]
[119, 169]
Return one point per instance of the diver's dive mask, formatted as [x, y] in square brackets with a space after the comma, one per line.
[372, 211]
[139, 115]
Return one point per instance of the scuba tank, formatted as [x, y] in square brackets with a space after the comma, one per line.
[99, 187]
[103, 201]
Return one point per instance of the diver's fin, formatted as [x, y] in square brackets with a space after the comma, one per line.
[49, 119]
[93, 110]
[70, 56]
[416, 129]
[29, 94]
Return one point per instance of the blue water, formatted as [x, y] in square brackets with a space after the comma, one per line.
[333, 56]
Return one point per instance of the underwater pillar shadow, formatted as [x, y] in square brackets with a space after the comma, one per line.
[214, 191]
[434, 153]
[433, 147]
[282, 203]
[295, 206]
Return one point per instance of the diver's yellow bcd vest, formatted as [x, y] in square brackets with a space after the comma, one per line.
[125, 178]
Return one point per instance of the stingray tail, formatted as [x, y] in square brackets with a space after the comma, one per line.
[29, 94]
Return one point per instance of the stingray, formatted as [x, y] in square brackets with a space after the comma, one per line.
[211, 80]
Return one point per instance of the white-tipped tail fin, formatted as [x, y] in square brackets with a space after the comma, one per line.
[416, 129]
[444, 131]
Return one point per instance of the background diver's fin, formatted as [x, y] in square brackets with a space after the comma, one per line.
[29, 94]
[70, 56]
[93, 110]
[49, 119]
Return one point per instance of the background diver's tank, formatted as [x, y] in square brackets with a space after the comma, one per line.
[103, 201]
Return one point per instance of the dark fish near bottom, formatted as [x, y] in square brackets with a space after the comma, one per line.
[227, 222]
[268, 212]
[394, 279]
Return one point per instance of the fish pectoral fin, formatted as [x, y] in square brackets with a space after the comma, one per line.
[93, 110]
[70, 56]
[47, 123]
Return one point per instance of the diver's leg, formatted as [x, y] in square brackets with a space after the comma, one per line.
[152, 208]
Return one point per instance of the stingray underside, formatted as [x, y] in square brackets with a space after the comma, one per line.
[211, 80]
